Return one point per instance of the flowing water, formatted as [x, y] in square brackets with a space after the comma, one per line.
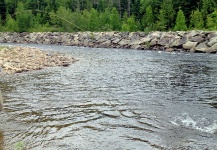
[113, 100]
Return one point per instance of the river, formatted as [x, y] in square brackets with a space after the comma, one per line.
[113, 99]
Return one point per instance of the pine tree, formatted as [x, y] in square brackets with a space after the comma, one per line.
[196, 20]
[180, 21]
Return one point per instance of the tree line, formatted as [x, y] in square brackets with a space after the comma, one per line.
[107, 15]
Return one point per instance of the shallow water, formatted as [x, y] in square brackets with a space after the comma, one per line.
[113, 99]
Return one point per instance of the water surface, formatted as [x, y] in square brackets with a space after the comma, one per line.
[113, 99]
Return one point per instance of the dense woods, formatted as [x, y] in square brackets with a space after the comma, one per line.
[107, 15]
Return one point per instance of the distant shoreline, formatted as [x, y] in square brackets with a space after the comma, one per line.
[189, 41]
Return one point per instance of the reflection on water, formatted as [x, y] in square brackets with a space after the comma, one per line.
[114, 99]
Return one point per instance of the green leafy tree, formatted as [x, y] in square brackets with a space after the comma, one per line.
[104, 20]
[148, 19]
[115, 20]
[196, 20]
[166, 16]
[62, 18]
[24, 18]
[208, 6]
[11, 24]
[130, 25]
[84, 20]
[212, 21]
[93, 20]
[180, 21]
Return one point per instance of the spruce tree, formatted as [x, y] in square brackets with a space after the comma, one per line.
[180, 21]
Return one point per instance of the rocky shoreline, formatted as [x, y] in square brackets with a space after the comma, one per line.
[190, 41]
[23, 59]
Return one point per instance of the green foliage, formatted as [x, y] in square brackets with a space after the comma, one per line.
[148, 19]
[11, 24]
[167, 13]
[104, 15]
[196, 20]
[208, 6]
[104, 20]
[64, 19]
[130, 25]
[212, 21]
[20, 146]
[115, 20]
[24, 18]
[180, 21]
[93, 20]
[161, 23]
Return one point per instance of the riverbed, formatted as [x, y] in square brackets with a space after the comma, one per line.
[113, 99]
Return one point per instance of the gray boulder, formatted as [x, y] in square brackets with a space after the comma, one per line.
[202, 47]
[212, 41]
[189, 45]
[213, 48]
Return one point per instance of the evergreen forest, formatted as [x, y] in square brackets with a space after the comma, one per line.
[107, 15]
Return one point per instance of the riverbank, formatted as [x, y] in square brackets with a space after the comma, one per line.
[23, 59]
[190, 41]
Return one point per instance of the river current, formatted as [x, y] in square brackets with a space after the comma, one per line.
[113, 99]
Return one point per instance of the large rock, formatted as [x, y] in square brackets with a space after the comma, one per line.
[202, 47]
[189, 45]
[212, 41]
[123, 42]
[197, 38]
[177, 42]
[213, 48]
[105, 44]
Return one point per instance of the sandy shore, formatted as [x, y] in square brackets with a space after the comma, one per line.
[22, 59]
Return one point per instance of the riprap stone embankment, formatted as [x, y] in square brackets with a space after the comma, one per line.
[193, 41]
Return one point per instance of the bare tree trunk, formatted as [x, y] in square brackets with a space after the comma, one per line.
[119, 7]
[128, 7]
[1, 102]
